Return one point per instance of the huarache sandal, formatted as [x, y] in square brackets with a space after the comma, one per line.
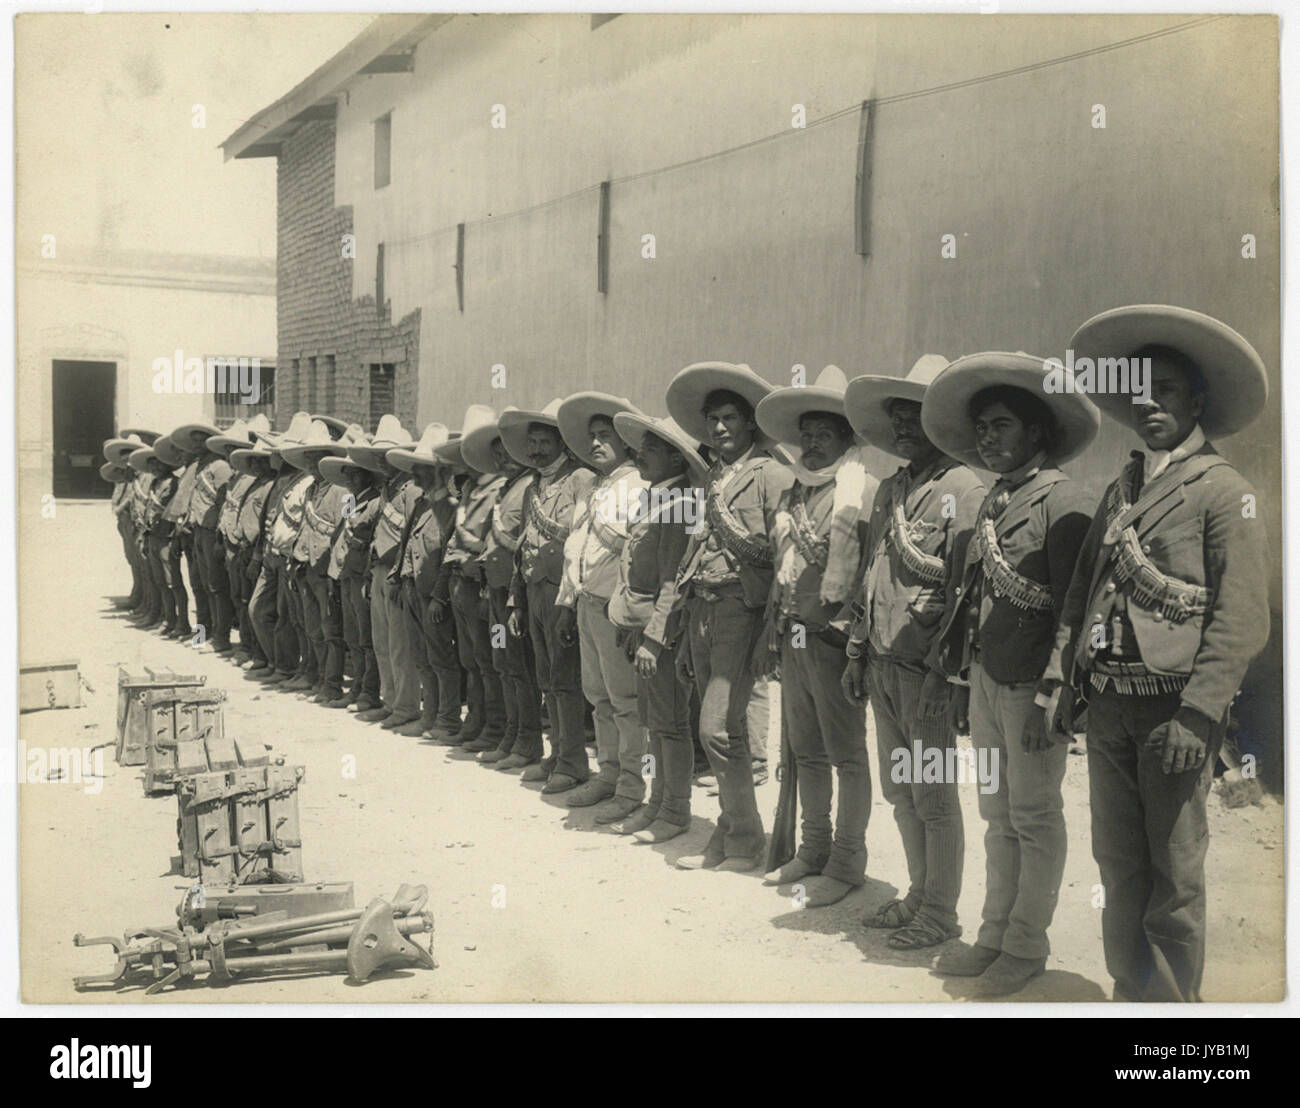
[891, 916]
[922, 932]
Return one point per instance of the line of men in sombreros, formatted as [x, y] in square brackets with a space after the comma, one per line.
[589, 550]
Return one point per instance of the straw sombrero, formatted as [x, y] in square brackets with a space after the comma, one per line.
[478, 418]
[139, 459]
[115, 472]
[267, 443]
[422, 453]
[335, 470]
[944, 415]
[239, 435]
[576, 413]
[389, 435]
[143, 433]
[169, 453]
[687, 392]
[193, 437]
[513, 423]
[1236, 382]
[318, 442]
[632, 428]
[116, 451]
[478, 433]
[867, 398]
[779, 412]
[338, 427]
[242, 461]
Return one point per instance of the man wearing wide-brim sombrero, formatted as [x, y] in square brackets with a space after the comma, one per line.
[147, 613]
[115, 473]
[238, 436]
[1168, 607]
[644, 608]
[592, 556]
[399, 686]
[1001, 412]
[459, 601]
[532, 437]
[347, 570]
[244, 484]
[418, 581]
[123, 478]
[117, 451]
[817, 544]
[211, 474]
[725, 578]
[275, 609]
[322, 517]
[181, 541]
[921, 515]
[481, 449]
[160, 463]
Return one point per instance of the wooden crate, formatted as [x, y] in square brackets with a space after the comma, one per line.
[240, 826]
[177, 718]
[49, 685]
[131, 709]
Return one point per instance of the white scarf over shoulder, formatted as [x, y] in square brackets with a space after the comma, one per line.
[854, 492]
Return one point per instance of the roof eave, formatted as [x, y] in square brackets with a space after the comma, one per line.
[387, 45]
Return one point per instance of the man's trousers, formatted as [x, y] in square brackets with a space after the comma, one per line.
[1024, 837]
[158, 547]
[512, 657]
[294, 588]
[721, 637]
[485, 716]
[241, 592]
[202, 605]
[160, 598]
[1149, 837]
[609, 684]
[663, 708]
[356, 636]
[558, 675]
[403, 676]
[825, 730]
[127, 531]
[211, 556]
[269, 609]
[928, 813]
[176, 581]
[324, 617]
[433, 652]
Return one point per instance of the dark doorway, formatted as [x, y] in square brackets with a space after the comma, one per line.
[83, 419]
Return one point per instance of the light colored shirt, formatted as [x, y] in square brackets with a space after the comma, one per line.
[600, 528]
[288, 523]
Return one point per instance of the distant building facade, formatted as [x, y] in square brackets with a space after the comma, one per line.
[92, 326]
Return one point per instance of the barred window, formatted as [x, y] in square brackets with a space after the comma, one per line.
[241, 387]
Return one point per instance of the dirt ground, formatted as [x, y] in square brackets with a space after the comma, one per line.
[532, 902]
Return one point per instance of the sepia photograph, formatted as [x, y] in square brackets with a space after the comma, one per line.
[701, 508]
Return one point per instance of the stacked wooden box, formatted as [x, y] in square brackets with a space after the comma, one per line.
[240, 826]
[133, 722]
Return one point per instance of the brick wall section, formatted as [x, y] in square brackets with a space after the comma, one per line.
[316, 315]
